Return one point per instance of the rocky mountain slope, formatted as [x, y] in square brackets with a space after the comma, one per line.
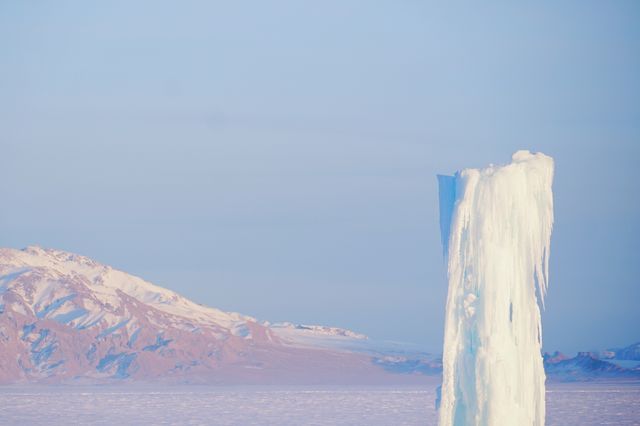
[66, 318]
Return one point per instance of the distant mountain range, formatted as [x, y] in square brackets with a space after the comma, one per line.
[586, 366]
[65, 318]
[630, 353]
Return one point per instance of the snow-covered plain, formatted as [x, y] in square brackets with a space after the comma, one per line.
[567, 404]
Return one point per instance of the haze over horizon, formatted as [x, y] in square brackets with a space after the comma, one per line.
[285, 168]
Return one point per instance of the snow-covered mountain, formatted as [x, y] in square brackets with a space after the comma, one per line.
[67, 318]
[629, 353]
[585, 366]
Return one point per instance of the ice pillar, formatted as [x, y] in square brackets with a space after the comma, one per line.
[496, 224]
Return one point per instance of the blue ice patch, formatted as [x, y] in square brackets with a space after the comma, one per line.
[124, 365]
[91, 324]
[55, 364]
[134, 337]
[27, 329]
[123, 360]
[160, 342]
[70, 316]
[110, 330]
[6, 279]
[43, 354]
[55, 305]
[105, 362]
[43, 333]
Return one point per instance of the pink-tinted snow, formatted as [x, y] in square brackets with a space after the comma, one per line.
[567, 405]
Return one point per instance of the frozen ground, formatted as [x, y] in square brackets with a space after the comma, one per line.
[575, 404]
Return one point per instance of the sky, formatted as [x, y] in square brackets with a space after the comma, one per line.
[279, 158]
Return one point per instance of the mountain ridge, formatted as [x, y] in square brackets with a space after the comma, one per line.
[65, 317]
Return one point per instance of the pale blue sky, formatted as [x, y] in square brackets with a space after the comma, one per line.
[279, 158]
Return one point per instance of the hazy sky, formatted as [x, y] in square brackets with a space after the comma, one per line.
[278, 158]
